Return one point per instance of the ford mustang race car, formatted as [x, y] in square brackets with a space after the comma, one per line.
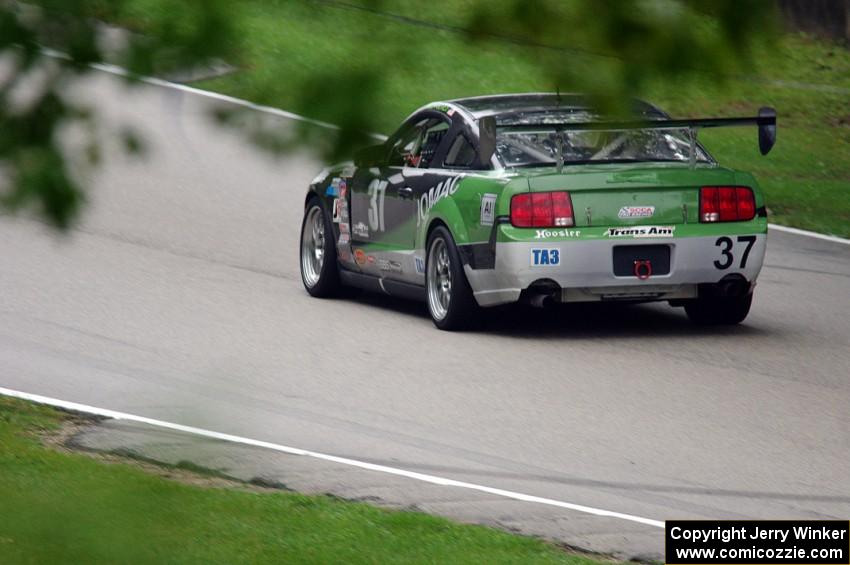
[490, 200]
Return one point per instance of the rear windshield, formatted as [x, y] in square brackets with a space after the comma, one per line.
[518, 148]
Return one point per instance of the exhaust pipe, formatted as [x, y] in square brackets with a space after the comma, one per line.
[542, 293]
[542, 300]
[733, 286]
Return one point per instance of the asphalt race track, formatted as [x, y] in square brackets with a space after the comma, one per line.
[179, 298]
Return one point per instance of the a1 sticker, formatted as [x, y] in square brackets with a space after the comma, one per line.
[488, 209]
[546, 257]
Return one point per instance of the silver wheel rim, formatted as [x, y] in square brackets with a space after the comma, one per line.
[313, 247]
[439, 279]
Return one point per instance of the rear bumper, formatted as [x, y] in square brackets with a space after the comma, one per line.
[585, 269]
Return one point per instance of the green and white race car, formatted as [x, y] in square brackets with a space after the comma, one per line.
[491, 200]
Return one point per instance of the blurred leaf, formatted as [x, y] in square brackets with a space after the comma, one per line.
[610, 49]
[34, 109]
[132, 142]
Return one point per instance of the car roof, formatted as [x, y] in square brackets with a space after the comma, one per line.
[480, 106]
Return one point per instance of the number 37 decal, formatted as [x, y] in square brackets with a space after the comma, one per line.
[377, 194]
[726, 256]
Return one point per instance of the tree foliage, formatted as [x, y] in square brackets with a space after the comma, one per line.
[606, 48]
[45, 46]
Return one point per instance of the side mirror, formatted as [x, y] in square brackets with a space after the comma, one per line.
[486, 139]
[371, 156]
[767, 129]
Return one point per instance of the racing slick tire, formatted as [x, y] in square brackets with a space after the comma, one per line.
[319, 270]
[450, 301]
[715, 311]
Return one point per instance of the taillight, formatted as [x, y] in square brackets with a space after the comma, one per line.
[542, 210]
[726, 204]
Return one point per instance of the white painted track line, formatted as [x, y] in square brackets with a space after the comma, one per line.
[807, 233]
[433, 479]
[119, 71]
[112, 69]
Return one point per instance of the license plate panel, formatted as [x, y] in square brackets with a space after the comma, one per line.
[626, 255]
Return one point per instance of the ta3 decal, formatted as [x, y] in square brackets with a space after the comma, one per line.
[545, 257]
[420, 264]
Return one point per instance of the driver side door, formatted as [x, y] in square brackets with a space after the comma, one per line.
[383, 209]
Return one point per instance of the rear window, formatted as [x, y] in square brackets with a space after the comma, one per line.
[540, 146]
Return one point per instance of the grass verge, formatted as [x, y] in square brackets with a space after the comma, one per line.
[59, 507]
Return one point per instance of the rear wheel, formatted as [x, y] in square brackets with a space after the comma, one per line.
[319, 271]
[450, 300]
[719, 310]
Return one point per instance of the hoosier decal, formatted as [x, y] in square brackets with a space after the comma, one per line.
[641, 231]
[546, 234]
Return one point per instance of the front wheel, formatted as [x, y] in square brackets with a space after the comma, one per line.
[319, 271]
[719, 310]
[450, 300]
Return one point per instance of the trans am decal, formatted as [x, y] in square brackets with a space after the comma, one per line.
[642, 231]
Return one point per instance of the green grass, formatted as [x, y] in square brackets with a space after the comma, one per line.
[58, 507]
[294, 50]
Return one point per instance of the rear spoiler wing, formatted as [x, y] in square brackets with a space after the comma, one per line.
[766, 122]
